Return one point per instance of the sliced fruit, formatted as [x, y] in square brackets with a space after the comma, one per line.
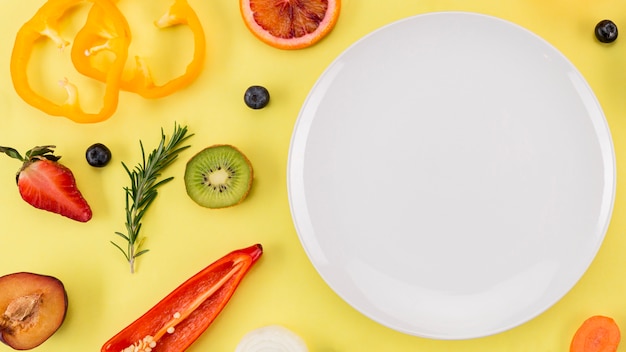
[48, 185]
[219, 176]
[290, 24]
[273, 338]
[33, 308]
[596, 334]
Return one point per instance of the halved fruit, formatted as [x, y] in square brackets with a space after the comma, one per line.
[33, 307]
[290, 24]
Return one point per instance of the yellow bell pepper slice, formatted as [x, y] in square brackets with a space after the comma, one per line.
[46, 24]
[140, 80]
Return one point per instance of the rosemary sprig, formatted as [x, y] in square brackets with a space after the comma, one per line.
[143, 189]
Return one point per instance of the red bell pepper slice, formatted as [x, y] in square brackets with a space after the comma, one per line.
[174, 323]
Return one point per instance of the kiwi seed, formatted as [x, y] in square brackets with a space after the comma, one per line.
[219, 176]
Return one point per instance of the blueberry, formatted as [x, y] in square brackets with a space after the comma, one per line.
[98, 155]
[606, 31]
[256, 97]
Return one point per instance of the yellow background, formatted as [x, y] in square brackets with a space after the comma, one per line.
[283, 288]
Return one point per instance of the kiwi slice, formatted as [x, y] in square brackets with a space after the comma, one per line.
[219, 176]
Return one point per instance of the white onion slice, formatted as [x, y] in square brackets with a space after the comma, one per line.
[271, 338]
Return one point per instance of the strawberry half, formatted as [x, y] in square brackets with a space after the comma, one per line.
[48, 185]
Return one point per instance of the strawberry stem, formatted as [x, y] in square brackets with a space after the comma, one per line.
[39, 152]
[12, 153]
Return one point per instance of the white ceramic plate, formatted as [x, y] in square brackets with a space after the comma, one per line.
[451, 175]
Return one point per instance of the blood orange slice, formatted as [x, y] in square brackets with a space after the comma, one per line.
[290, 24]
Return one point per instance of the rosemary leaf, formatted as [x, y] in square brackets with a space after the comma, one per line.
[143, 188]
[122, 235]
[121, 250]
[141, 252]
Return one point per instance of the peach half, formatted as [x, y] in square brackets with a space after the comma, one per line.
[33, 307]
